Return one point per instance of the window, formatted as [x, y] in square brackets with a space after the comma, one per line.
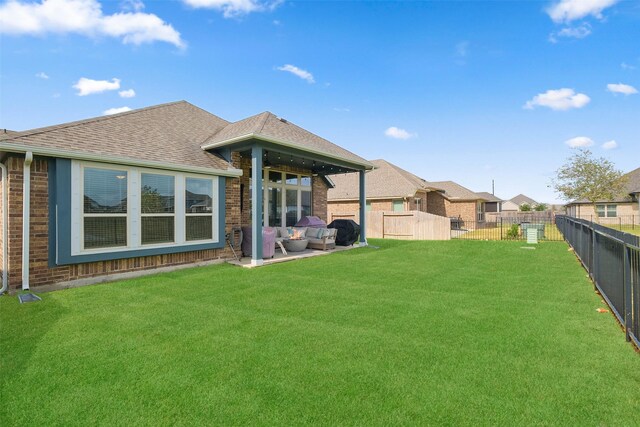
[481, 210]
[607, 211]
[199, 209]
[398, 205]
[104, 208]
[157, 196]
[125, 208]
[287, 198]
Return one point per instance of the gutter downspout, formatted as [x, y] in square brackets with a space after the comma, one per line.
[5, 229]
[26, 198]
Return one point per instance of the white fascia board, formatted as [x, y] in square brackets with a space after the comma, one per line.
[75, 155]
[367, 165]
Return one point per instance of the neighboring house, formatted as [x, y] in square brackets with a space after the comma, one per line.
[389, 188]
[455, 201]
[514, 204]
[155, 187]
[492, 204]
[625, 206]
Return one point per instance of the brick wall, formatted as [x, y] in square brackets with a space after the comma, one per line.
[39, 271]
[424, 202]
[440, 205]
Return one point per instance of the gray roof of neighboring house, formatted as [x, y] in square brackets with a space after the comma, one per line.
[386, 181]
[489, 197]
[272, 128]
[454, 191]
[633, 181]
[520, 199]
[169, 133]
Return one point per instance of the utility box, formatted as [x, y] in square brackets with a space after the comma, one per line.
[538, 228]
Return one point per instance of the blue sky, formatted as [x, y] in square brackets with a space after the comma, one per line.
[449, 90]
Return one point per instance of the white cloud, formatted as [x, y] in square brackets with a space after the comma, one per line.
[610, 145]
[85, 17]
[560, 99]
[132, 5]
[571, 10]
[42, 75]
[111, 111]
[397, 133]
[87, 86]
[579, 32]
[621, 88]
[129, 93]
[234, 8]
[579, 141]
[626, 66]
[303, 74]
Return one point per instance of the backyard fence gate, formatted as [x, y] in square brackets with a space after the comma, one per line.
[612, 259]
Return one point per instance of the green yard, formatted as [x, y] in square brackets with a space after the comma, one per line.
[429, 333]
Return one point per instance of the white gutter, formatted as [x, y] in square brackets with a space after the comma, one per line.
[26, 199]
[5, 229]
[365, 164]
[102, 158]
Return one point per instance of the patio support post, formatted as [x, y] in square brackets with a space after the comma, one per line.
[256, 205]
[363, 205]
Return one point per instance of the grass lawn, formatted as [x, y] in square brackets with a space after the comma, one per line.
[456, 333]
[501, 232]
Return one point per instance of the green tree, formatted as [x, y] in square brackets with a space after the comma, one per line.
[525, 207]
[584, 177]
[541, 207]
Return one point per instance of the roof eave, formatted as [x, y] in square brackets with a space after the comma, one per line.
[365, 165]
[68, 154]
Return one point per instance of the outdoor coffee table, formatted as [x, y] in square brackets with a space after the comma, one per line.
[295, 245]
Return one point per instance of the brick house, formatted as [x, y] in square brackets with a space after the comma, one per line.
[159, 186]
[624, 208]
[456, 201]
[389, 188]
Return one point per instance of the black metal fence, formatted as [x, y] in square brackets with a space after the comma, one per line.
[612, 259]
[627, 223]
[507, 228]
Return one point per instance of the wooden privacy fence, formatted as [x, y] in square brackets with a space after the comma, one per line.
[412, 225]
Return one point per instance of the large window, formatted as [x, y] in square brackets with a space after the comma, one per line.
[199, 209]
[607, 211]
[115, 209]
[157, 197]
[287, 198]
[104, 208]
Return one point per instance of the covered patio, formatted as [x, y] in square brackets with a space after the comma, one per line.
[286, 173]
[279, 256]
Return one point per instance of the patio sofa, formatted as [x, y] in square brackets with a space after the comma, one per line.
[319, 237]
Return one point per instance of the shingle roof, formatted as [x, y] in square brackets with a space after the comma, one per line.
[633, 181]
[521, 198]
[385, 181]
[454, 191]
[169, 133]
[489, 197]
[272, 128]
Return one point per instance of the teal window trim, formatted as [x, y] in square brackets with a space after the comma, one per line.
[60, 224]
